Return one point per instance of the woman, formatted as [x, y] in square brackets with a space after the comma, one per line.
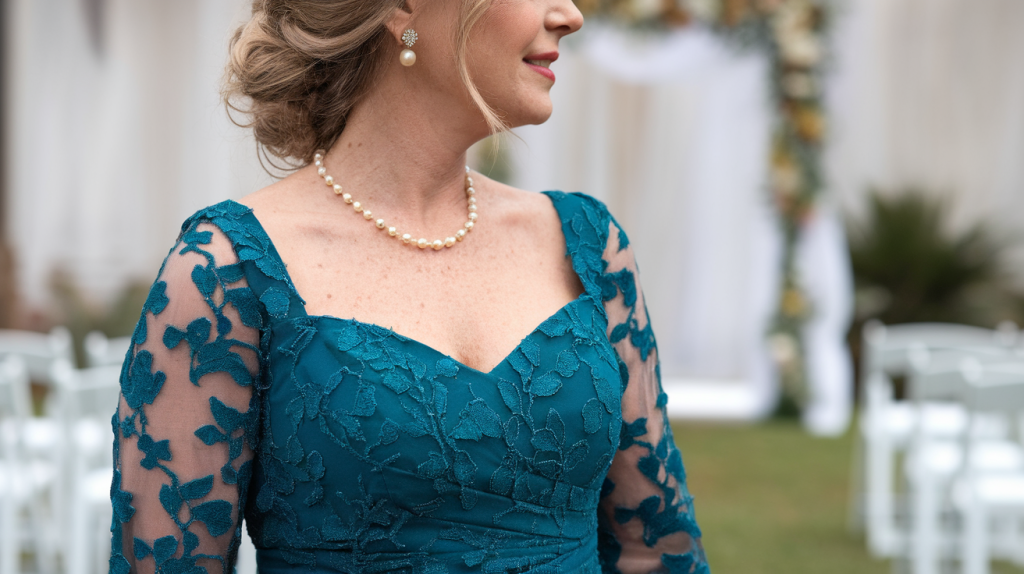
[468, 380]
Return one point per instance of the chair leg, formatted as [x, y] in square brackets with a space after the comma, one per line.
[102, 545]
[881, 524]
[923, 546]
[975, 542]
[42, 544]
[9, 551]
[80, 539]
[857, 511]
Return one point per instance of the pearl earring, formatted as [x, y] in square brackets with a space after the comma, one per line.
[408, 57]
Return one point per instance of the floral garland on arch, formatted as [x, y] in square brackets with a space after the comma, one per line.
[791, 33]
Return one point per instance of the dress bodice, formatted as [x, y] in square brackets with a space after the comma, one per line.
[348, 447]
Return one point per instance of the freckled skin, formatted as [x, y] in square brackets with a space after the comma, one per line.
[402, 155]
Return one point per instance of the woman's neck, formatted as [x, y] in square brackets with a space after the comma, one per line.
[404, 152]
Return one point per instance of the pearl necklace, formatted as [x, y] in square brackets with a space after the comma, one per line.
[422, 243]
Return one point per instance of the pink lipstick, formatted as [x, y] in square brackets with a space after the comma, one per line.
[539, 63]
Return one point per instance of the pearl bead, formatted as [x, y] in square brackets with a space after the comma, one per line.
[406, 238]
[407, 58]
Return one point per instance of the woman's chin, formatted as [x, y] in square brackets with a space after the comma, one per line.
[536, 113]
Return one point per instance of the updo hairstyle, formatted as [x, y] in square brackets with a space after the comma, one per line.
[298, 67]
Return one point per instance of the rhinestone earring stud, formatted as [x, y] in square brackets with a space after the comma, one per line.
[408, 57]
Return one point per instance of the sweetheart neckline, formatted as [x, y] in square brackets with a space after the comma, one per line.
[302, 302]
[391, 332]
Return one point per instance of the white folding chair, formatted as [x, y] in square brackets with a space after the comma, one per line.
[934, 462]
[88, 400]
[38, 350]
[886, 424]
[23, 482]
[246, 563]
[983, 495]
[101, 350]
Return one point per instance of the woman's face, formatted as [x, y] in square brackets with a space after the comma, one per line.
[509, 53]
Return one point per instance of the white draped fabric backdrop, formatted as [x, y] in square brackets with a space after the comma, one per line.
[116, 134]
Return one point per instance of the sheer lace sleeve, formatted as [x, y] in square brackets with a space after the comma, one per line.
[186, 423]
[646, 514]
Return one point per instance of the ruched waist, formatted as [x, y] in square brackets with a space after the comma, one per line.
[448, 552]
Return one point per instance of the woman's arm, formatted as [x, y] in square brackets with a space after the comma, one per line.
[186, 424]
[646, 514]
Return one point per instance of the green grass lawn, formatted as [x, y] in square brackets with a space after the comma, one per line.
[771, 499]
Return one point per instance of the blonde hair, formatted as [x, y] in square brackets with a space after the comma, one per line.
[298, 67]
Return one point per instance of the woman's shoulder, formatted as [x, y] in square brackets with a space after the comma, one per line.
[231, 226]
[568, 205]
[585, 223]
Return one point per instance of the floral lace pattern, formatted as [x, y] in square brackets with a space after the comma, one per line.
[350, 448]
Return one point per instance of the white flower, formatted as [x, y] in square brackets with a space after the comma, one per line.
[704, 9]
[645, 9]
[787, 179]
[783, 348]
[800, 49]
[799, 85]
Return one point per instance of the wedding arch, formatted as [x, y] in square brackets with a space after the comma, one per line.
[791, 34]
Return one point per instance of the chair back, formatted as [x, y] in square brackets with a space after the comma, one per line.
[38, 351]
[15, 407]
[995, 387]
[893, 349]
[88, 400]
[101, 351]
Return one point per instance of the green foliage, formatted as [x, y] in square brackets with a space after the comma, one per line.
[493, 158]
[80, 315]
[908, 267]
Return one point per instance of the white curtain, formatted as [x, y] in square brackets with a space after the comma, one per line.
[116, 139]
[930, 93]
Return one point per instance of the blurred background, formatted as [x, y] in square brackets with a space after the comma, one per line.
[824, 196]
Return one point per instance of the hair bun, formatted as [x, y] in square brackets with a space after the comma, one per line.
[298, 67]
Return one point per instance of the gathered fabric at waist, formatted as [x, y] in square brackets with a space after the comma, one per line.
[451, 550]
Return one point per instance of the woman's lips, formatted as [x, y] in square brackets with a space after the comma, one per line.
[547, 73]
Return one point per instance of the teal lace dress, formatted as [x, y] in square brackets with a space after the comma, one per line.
[350, 448]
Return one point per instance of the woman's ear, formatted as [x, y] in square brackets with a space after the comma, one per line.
[400, 19]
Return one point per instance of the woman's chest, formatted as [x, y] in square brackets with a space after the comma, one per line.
[347, 403]
[473, 302]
